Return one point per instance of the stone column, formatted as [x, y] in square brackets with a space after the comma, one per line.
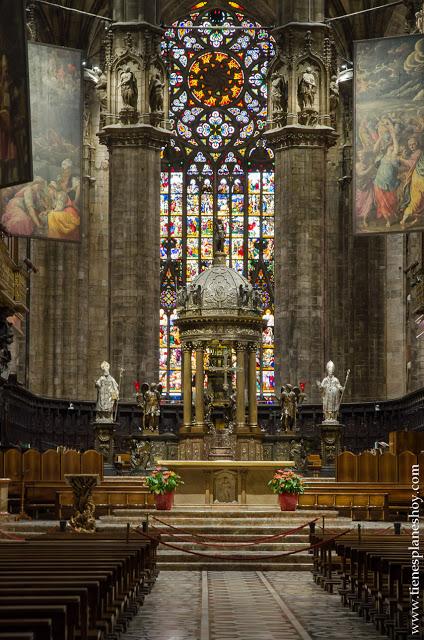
[253, 405]
[240, 387]
[134, 136]
[301, 134]
[200, 376]
[187, 393]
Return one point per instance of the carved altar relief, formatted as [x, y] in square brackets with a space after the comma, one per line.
[225, 487]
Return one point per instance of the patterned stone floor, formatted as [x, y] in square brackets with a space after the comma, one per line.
[248, 605]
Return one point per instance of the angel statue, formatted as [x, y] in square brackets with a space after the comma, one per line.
[331, 392]
[306, 90]
[107, 395]
[149, 401]
[290, 399]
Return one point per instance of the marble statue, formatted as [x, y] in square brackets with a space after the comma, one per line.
[331, 391]
[307, 89]
[129, 90]
[156, 88]
[182, 297]
[219, 236]
[149, 401]
[279, 96]
[107, 395]
[334, 94]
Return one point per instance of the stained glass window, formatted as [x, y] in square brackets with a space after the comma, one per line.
[217, 166]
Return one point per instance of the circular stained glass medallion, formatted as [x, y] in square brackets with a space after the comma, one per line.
[216, 79]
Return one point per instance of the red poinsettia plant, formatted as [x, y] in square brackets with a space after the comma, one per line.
[286, 481]
[163, 481]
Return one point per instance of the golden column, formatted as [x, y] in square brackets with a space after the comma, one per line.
[187, 393]
[200, 376]
[240, 386]
[252, 401]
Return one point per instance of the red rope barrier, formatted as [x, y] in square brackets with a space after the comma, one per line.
[244, 558]
[251, 542]
[9, 536]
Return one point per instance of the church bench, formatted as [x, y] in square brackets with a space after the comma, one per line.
[35, 628]
[19, 635]
[72, 561]
[56, 614]
[72, 604]
[106, 499]
[374, 579]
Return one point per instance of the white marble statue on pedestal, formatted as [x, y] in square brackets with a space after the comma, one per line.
[107, 395]
[331, 392]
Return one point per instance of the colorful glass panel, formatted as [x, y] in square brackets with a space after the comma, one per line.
[218, 109]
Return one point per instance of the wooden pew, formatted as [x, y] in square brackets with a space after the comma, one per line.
[87, 585]
[373, 573]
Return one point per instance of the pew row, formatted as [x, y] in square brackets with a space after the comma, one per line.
[74, 586]
[373, 575]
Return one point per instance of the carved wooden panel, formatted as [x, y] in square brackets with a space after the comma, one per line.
[31, 462]
[387, 471]
[50, 465]
[347, 467]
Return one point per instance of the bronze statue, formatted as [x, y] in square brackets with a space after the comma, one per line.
[149, 401]
[290, 399]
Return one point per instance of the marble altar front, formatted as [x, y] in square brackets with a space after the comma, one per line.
[220, 482]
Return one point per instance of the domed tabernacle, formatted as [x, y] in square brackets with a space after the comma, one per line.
[219, 287]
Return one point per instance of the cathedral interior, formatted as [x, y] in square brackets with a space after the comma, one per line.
[211, 292]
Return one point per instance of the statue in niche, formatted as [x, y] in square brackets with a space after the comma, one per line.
[279, 95]
[101, 92]
[149, 402]
[307, 89]
[331, 392]
[225, 489]
[156, 89]
[129, 90]
[107, 395]
[334, 99]
[219, 236]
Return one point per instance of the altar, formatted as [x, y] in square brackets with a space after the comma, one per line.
[221, 482]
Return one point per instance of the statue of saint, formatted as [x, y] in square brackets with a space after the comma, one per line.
[219, 235]
[156, 87]
[129, 90]
[279, 95]
[307, 89]
[290, 399]
[334, 95]
[149, 401]
[107, 395]
[331, 391]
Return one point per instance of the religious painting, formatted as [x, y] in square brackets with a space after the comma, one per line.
[15, 134]
[49, 206]
[388, 189]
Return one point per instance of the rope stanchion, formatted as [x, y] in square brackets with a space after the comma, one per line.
[243, 558]
[207, 540]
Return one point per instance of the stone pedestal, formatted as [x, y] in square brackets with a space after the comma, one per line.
[4, 498]
[330, 446]
[104, 440]
[289, 445]
[147, 447]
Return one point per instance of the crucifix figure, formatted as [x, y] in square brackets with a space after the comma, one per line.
[226, 368]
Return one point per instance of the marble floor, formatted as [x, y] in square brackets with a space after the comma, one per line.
[245, 605]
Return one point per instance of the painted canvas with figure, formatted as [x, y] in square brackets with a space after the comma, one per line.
[49, 206]
[388, 193]
[15, 135]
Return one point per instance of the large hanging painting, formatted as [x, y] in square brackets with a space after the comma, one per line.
[389, 135]
[15, 138]
[49, 206]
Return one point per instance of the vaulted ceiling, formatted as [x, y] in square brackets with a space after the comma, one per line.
[84, 32]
